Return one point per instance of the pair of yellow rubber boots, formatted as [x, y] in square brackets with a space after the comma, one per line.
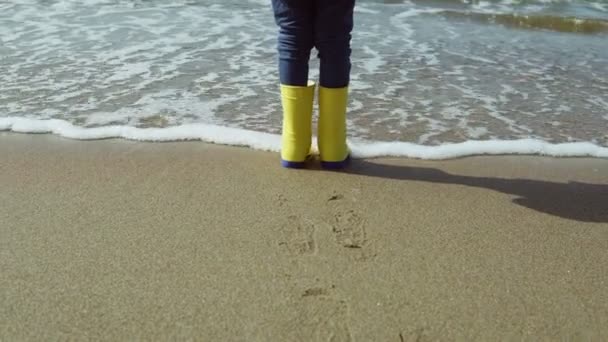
[297, 126]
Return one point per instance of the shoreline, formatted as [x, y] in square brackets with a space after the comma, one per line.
[119, 240]
[262, 141]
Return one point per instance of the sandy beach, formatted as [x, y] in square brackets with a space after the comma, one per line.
[118, 240]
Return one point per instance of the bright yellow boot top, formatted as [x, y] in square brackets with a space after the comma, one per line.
[332, 125]
[297, 121]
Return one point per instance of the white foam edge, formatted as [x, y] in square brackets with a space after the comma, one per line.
[272, 142]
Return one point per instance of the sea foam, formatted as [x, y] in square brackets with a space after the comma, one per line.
[272, 142]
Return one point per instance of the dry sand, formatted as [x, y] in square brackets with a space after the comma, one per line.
[117, 240]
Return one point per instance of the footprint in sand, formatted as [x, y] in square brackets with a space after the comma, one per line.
[298, 236]
[326, 316]
[335, 327]
[281, 200]
[349, 229]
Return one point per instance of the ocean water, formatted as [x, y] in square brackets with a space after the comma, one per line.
[430, 78]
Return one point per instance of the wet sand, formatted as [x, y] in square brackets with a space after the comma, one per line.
[119, 240]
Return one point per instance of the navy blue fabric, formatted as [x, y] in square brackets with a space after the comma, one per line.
[293, 165]
[324, 24]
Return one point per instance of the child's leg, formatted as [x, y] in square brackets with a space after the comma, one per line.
[296, 39]
[295, 19]
[333, 25]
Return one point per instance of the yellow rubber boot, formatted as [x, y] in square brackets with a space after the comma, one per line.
[332, 127]
[297, 122]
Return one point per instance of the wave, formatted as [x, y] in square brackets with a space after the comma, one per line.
[517, 2]
[272, 142]
[534, 21]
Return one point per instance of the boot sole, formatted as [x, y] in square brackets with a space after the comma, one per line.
[293, 165]
[336, 165]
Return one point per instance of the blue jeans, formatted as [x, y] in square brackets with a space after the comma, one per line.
[324, 24]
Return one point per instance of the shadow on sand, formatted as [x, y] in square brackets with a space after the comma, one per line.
[583, 202]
